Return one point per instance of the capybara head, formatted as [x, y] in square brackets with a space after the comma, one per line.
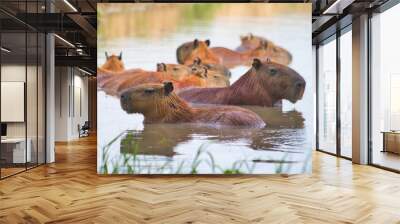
[281, 81]
[146, 99]
[214, 77]
[177, 71]
[184, 51]
[217, 68]
[113, 63]
[251, 42]
[180, 72]
[267, 49]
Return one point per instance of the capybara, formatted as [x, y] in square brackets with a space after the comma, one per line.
[177, 71]
[113, 63]
[249, 42]
[188, 52]
[213, 76]
[159, 104]
[127, 80]
[276, 53]
[112, 67]
[215, 68]
[230, 58]
[264, 84]
[269, 51]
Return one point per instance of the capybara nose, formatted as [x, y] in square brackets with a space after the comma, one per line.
[124, 97]
[300, 84]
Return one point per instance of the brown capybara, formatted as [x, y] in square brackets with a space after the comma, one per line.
[261, 49]
[269, 51]
[249, 42]
[214, 77]
[159, 104]
[276, 53]
[188, 52]
[215, 68]
[177, 71]
[112, 67]
[264, 84]
[127, 80]
[113, 64]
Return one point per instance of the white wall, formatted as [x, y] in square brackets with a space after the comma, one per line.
[71, 102]
[33, 127]
[16, 73]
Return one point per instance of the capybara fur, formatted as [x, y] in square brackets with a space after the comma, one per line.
[159, 104]
[177, 71]
[276, 53]
[258, 48]
[113, 63]
[264, 84]
[112, 66]
[269, 51]
[215, 77]
[188, 52]
[250, 42]
[127, 80]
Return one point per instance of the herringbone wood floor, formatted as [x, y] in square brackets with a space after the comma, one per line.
[70, 191]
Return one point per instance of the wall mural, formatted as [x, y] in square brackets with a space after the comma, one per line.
[204, 88]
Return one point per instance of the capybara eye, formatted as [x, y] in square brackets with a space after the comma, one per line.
[149, 91]
[175, 69]
[273, 71]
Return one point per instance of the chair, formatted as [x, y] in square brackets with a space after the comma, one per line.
[84, 130]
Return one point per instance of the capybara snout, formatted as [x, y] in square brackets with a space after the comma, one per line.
[300, 87]
[124, 99]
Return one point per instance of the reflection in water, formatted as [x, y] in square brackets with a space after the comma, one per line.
[284, 135]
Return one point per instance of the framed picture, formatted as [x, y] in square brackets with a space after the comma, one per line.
[205, 88]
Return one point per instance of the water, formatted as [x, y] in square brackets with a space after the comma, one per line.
[284, 146]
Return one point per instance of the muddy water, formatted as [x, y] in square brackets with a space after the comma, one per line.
[126, 145]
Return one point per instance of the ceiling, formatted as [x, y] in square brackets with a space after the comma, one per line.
[75, 23]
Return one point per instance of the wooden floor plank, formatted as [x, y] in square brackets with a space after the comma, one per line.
[70, 191]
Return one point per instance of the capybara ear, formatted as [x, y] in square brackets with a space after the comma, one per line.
[205, 71]
[208, 42]
[168, 87]
[196, 43]
[161, 67]
[197, 61]
[256, 63]
[120, 56]
[106, 55]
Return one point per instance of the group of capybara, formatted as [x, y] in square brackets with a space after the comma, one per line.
[197, 90]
